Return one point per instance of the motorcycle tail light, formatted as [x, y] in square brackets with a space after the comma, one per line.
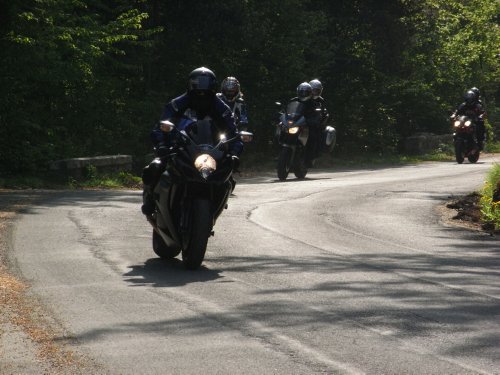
[293, 130]
[205, 164]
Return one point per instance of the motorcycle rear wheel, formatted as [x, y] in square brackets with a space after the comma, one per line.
[474, 157]
[200, 229]
[284, 162]
[162, 249]
[459, 152]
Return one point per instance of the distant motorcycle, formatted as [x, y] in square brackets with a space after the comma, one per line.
[464, 138]
[292, 134]
[193, 190]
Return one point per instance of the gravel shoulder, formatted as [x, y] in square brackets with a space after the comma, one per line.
[30, 341]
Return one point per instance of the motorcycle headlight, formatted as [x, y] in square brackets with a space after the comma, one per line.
[457, 123]
[468, 123]
[293, 130]
[205, 164]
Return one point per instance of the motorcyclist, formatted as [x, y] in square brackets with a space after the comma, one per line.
[317, 89]
[198, 102]
[476, 91]
[231, 95]
[313, 119]
[473, 109]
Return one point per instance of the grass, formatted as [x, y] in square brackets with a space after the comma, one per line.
[119, 180]
[97, 180]
[490, 200]
[266, 161]
[252, 163]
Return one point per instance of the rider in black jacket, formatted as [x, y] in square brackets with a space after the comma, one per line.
[231, 95]
[313, 119]
[472, 108]
[199, 101]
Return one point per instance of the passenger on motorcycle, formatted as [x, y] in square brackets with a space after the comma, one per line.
[317, 89]
[476, 91]
[313, 119]
[231, 95]
[474, 110]
[198, 102]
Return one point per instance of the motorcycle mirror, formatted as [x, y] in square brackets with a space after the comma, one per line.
[166, 126]
[246, 136]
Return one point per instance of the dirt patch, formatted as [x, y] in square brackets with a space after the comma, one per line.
[466, 212]
[30, 341]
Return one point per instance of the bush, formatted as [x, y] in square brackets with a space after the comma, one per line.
[490, 200]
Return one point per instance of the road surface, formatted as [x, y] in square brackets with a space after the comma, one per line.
[346, 272]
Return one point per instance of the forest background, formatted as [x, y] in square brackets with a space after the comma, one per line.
[88, 78]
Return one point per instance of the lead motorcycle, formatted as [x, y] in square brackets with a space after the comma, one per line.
[193, 191]
[464, 139]
[292, 133]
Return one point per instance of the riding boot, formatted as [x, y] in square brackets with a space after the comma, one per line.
[148, 202]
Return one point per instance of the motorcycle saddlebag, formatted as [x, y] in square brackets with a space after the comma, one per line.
[330, 138]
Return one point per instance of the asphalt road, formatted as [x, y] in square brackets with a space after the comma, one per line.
[348, 272]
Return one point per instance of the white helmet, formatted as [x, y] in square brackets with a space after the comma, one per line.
[304, 91]
[317, 88]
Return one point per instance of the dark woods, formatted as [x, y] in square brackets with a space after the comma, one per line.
[84, 78]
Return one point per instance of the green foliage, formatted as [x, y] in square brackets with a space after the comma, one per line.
[87, 78]
[493, 147]
[63, 81]
[108, 181]
[490, 208]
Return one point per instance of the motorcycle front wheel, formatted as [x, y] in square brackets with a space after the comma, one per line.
[161, 249]
[299, 167]
[200, 229]
[284, 161]
[459, 152]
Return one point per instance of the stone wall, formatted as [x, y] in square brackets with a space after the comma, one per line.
[424, 143]
[78, 167]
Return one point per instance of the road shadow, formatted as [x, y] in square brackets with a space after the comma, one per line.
[162, 273]
[290, 180]
[399, 305]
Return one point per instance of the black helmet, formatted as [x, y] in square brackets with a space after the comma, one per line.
[476, 92]
[469, 97]
[317, 88]
[202, 81]
[230, 88]
[304, 91]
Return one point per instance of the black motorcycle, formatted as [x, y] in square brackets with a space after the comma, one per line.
[464, 139]
[292, 134]
[193, 190]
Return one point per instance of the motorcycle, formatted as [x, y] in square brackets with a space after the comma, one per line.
[464, 139]
[292, 134]
[193, 190]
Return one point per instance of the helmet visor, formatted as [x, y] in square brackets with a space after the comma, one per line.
[230, 94]
[201, 83]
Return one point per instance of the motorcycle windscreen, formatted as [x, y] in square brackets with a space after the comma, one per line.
[203, 132]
